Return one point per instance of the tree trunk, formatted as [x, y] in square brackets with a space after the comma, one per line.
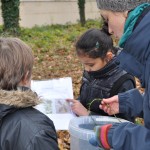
[10, 14]
[81, 4]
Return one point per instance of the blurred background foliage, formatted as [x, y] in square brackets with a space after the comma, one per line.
[53, 48]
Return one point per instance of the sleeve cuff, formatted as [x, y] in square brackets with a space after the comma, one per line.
[110, 133]
[123, 102]
[103, 136]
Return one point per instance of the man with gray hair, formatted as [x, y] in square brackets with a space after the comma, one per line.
[22, 127]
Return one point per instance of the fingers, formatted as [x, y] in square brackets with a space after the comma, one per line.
[110, 100]
[105, 105]
[77, 107]
[106, 108]
[110, 105]
[71, 100]
[73, 103]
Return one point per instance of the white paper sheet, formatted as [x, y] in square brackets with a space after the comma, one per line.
[54, 94]
[61, 121]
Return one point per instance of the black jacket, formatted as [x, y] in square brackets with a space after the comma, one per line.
[105, 83]
[21, 126]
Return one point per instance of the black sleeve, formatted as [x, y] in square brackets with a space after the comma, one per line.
[124, 83]
[126, 86]
[45, 139]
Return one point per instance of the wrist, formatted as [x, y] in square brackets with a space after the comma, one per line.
[102, 136]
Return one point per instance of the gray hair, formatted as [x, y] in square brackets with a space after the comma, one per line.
[119, 5]
[16, 60]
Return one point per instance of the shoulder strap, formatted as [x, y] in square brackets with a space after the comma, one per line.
[119, 83]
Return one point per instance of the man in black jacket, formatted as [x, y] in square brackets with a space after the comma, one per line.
[21, 127]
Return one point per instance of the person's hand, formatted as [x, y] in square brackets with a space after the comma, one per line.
[110, 105]
[78, 108]
[100, 140]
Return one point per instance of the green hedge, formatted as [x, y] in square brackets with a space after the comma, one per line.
[10, 14]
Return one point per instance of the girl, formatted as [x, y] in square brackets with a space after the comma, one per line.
[102, 76]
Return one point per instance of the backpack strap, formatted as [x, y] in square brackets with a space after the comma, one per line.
[119, 83]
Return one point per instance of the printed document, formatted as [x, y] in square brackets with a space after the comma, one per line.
[54, 93]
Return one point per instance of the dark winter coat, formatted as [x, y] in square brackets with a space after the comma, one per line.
[135, 59]
[102, 84]
[21, 126]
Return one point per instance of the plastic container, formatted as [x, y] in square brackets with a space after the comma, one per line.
[81, 130]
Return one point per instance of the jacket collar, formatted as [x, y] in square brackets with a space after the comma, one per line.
[10, 101]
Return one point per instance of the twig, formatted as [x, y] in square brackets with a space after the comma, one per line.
[108, 106]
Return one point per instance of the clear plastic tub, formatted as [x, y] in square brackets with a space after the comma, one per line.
[81, 130]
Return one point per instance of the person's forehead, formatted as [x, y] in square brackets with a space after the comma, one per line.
[88, 59]
[105, 12]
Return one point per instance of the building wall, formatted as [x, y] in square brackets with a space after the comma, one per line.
[45, 12]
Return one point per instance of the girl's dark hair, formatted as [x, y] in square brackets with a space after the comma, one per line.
[94, 43]
[105, 26]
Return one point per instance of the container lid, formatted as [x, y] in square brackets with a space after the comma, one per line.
[83, 127]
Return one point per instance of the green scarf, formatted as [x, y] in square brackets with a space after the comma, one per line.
[130, 22]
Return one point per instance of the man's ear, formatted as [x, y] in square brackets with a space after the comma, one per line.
[126, 14]
[109, 56]
[25, 81]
